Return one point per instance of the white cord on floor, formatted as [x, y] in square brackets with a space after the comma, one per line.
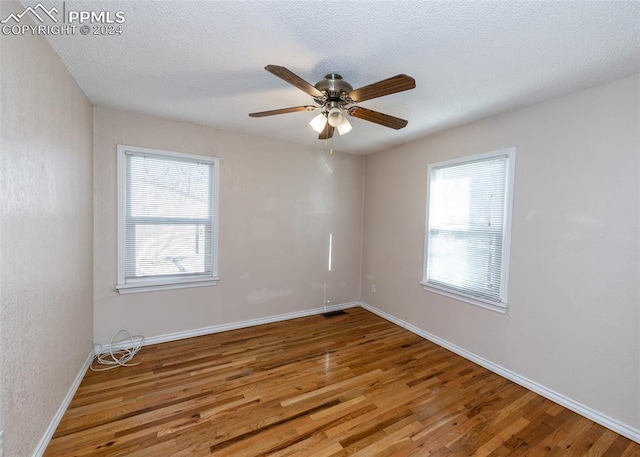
[120, 352]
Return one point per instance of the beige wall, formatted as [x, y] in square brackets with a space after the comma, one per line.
[46, 311]
[278, 204]
[573, 324]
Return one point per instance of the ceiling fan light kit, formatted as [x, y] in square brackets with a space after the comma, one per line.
[335, 98]
[335, 117]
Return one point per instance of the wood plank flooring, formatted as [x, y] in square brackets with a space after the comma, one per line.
[348, 385]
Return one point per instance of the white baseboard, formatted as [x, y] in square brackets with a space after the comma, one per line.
[583, 410]
[237, 325]
[46, 438]
[602, 419]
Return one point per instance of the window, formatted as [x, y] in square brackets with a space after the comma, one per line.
[167, 220]
[468, 228]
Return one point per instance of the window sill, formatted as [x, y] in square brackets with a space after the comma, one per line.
[502, 309]
[138, 287]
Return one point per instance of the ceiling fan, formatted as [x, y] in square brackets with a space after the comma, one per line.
[335, 97]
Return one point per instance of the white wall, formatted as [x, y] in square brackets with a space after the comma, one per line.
[278, 204]
[46, 311]
[573, 322]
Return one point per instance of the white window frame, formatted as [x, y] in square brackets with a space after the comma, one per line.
[153, 284]
[501, 305]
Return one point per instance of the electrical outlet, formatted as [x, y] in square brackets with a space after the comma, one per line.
[373, 288]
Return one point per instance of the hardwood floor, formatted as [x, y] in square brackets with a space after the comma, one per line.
[348, 385]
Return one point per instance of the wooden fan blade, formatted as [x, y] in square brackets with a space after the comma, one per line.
[378, 118]
[327, 132]
[292, 78]
[293, 109]
[387, 86]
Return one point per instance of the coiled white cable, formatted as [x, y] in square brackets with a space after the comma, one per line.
[121, 351]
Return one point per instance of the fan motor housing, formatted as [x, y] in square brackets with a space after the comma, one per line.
[333, 85]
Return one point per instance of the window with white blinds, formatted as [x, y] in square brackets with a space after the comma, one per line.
[167, 219]
[468, 228]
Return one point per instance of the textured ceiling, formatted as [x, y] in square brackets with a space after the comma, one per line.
[202, 61]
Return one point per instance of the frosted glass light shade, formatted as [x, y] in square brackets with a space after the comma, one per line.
[318, 123]
[344, 126]
[335, 117]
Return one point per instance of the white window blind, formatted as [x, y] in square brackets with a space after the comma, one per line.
[168, 218]
[468, 229]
